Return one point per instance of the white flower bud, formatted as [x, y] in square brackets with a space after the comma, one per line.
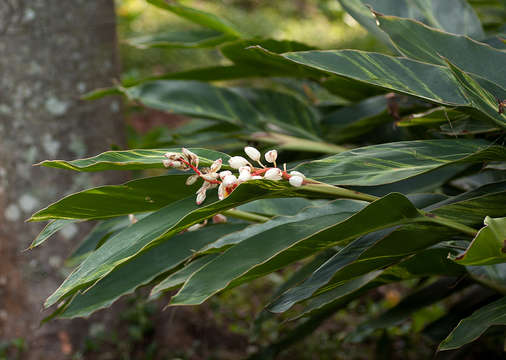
[132, 218]
[296, 173]
[253, 153]
[201, 196]
[222, 192]
[219, 219]
[273, 174]
[166, 163]
[256, 177]
[244, 176]
[172, 155]
[216, 166]
[271, 156]
[237, 161]
[191, 179]
[209, 177]
[296, 180]
[244, 168]
[229, 181]
[204, 187]
[191, 157]
[225, 173]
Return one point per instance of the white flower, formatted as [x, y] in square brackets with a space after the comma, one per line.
[201, 196]
[253, 153]
[225, 173]
[192, 179]
[173, 163]
[273, 174]
[209, 176]
[237, 161]
[296, 180]
[244, 176]
[271, 156]
[197, 226]
[296, 173]
[244, 168]
[229, 180]
[216, 166]
[256, 177]
[172, 155]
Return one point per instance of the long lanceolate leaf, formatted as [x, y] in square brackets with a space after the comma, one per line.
[472, 327]
[267, 251]
[144, 268]
[160, 226]
[387, 163]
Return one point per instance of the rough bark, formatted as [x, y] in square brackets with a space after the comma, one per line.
[52, 51]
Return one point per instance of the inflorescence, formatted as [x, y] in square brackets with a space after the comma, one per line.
[226, 181]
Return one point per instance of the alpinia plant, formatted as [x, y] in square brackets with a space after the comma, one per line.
[414, 187]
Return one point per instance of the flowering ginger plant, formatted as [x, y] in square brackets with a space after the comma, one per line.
[225, 180]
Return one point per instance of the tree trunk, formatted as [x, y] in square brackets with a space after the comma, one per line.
[52, 52]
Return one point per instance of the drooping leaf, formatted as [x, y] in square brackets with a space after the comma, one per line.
[143, 269]
[160, 226]
[275, 207]
[488, 247]
[387, 163]
[139, 159]
[190, 38]
[454, 16]
[418, 41]
[472, 327]
[433, 116]
[50, 229]
[200, 17]
[282, 245]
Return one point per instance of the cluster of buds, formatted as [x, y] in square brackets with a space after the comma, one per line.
[226, 181]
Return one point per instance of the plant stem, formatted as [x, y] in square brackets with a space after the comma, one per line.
[336, 191]
[244, 215]
[450, 223]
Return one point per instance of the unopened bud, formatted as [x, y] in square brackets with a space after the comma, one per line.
[244, 176]
[191, 157]
[219, 219]
[222, 192]
[237, 161]
[216, 166]
[256, 177]
[172, 155]
[225, 173]
[244, 168]
[253, 153]
[273, 174]
[191, 179]
[271, 156]
[201, 196]
[296, 180]
[132, 218]
[209, 177]
[297, 173]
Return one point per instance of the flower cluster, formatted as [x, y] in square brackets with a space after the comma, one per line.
[225, 180]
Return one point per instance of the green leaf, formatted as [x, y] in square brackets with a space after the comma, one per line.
[190, 38]
[426, 263]
[388, 163]
[488, 247]
[455, 16]
[177, 278]
[200, 17]
[142, 195]
[481, 98]
[49, 230]
[139, 159]
[472, 327]
[428, 82]
[143, 269]
[275, 207]
[339, 222]
[420, 42]
[433, 116]
[159, 226]
[196, 99]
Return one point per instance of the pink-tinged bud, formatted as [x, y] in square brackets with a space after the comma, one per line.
[216, 166]
[204, 187]
[222, 192]
[191, 179]
[197, 226]
[271, 156]
[253, 153]
[167, 163]
[201, 196]
[244, 168]
[244, 176]
[219, 219]
[174, 164]
[296, 173]
[273, 174]
[209, 177]
[256, 177]
[237, 161]
[172, 155]
[225, 173]
[132, 218]
[229, 181]
[191, 157]
[296, 180]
